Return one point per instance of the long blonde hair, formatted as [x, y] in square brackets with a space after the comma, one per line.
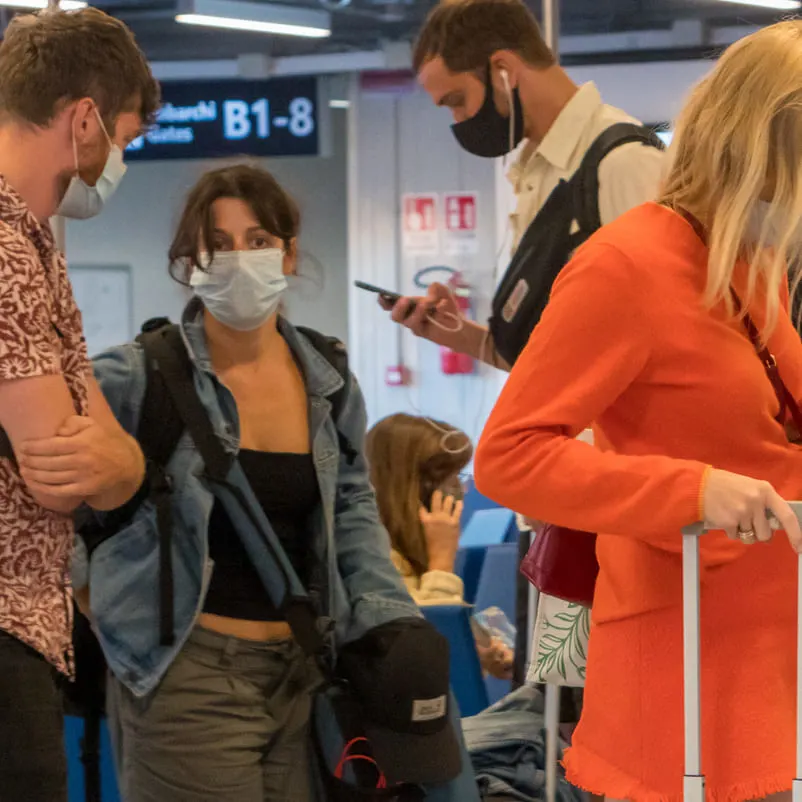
[407, 464]
[739, 141]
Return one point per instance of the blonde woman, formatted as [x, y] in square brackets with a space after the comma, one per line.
[643, 336]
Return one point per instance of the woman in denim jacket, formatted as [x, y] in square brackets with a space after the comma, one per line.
[223, 714]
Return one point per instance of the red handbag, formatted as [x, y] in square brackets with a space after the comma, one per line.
[562, 563]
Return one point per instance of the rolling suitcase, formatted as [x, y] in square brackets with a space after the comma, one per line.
[694, 784]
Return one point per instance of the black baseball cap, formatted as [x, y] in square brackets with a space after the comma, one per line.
[399, 676]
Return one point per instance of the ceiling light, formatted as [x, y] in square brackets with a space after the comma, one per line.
[779, 5]
[242, 15]
[65, 5]
[339, 104]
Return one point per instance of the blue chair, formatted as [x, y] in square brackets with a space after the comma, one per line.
[467, 682]
[486, 528]
[496, 588]
[76, 792]
[473, 502]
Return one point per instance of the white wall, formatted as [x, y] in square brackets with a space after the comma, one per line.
[138, 225]
[653, 92]
[403, 144]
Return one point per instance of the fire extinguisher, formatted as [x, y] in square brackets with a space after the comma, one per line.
[451, 362]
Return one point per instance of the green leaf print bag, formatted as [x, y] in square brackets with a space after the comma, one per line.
[560, 643]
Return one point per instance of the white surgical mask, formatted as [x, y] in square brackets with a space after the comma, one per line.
[80, 201]
[241, 289]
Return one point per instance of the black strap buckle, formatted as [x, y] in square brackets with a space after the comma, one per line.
[161, 497]
[303, 619]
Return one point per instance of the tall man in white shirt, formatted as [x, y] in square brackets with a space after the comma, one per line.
[486, 60]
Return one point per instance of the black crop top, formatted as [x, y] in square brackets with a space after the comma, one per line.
[286, 486]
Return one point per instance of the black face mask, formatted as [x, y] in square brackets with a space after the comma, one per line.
[487, 133]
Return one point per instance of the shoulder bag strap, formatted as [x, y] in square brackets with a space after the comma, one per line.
[785, 397]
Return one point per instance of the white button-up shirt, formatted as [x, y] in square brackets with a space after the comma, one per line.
[628, 176]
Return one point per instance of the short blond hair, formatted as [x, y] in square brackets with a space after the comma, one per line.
[739, 141]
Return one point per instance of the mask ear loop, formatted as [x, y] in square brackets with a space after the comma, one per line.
[508, 91]
[75, 149]
[508, 229]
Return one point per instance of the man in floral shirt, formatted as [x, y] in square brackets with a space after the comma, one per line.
[74, 91]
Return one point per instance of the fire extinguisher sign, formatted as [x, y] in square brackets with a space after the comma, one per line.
[461, 211]
[420, 224]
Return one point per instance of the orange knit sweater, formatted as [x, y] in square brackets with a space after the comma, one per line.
[672, 387]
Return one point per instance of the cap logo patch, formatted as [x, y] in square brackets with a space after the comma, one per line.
[429, 709]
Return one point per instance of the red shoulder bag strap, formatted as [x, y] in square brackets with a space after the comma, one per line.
[784, 395]
[787, 401]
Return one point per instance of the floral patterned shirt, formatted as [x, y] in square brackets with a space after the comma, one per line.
[40, 335]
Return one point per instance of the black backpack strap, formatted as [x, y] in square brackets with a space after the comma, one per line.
[334, 352]
[160, 426]
[171, 384]
[167, 357]
[586, 179]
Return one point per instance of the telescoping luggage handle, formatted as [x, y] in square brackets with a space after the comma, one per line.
[694, 786]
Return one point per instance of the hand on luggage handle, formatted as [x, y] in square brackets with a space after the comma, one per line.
[701, 528]
[694, 786]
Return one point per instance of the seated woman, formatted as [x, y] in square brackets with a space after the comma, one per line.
[414, 466]
[224, 713]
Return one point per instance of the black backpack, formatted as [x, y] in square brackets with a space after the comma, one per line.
[169, 373]
[568, 218]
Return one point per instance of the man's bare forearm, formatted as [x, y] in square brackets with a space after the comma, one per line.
[478, 343]
[125, 488]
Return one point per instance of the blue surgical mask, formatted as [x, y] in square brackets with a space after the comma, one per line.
[80, 201]
[241, 289]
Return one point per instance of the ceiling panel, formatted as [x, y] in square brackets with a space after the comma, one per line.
[365, 24]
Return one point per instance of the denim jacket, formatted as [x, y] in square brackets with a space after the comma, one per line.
[364, 588]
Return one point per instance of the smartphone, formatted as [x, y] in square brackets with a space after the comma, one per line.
[387, 295]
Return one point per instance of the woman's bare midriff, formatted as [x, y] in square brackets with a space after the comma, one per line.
[247, 630]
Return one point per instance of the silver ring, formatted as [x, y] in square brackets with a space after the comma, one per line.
[747, 536]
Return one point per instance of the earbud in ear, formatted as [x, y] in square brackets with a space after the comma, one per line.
[505, 77]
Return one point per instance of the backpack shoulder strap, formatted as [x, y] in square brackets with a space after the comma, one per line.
[158, 433]
[335, 353]
[169, 365]
[586, 179]
[160, 426]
